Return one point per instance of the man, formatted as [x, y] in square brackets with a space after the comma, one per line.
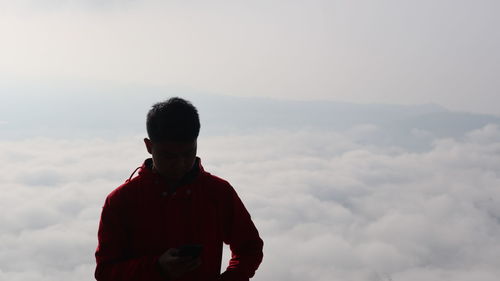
[169, 222]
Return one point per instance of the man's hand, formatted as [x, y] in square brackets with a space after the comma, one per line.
[174, 266]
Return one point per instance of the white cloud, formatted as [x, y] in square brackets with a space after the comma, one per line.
[52, 193]
[327, 207]
[369, 214]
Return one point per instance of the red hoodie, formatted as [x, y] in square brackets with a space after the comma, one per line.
[140, 220]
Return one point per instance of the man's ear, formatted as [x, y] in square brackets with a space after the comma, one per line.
[149, 145]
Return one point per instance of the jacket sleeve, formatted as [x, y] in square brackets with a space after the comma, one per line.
[114, 262]
[243, 239]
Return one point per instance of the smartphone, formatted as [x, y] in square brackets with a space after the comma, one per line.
[190, 250]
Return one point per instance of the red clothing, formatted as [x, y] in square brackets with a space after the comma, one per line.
[140, 220]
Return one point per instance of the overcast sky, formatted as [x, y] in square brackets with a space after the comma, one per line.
[339, 191]
[387, 51]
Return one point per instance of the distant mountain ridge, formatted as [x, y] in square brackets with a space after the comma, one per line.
[105, 116]
[410, 126]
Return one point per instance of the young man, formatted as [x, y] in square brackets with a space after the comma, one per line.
[169, 222]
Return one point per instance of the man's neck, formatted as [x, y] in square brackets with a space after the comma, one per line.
[173, 183]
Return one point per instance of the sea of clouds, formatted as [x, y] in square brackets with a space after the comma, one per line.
[328, 206]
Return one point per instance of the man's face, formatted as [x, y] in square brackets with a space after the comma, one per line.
[172, 159]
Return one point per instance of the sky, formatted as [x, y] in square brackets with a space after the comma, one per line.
[362, 136]
[398, 52]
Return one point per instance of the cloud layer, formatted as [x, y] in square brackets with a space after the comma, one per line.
[328, 207]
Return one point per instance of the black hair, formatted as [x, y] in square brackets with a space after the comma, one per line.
[175, 119]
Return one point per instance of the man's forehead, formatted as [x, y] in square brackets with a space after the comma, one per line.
[175, 146]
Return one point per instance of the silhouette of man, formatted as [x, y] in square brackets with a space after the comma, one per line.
[171, 220]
